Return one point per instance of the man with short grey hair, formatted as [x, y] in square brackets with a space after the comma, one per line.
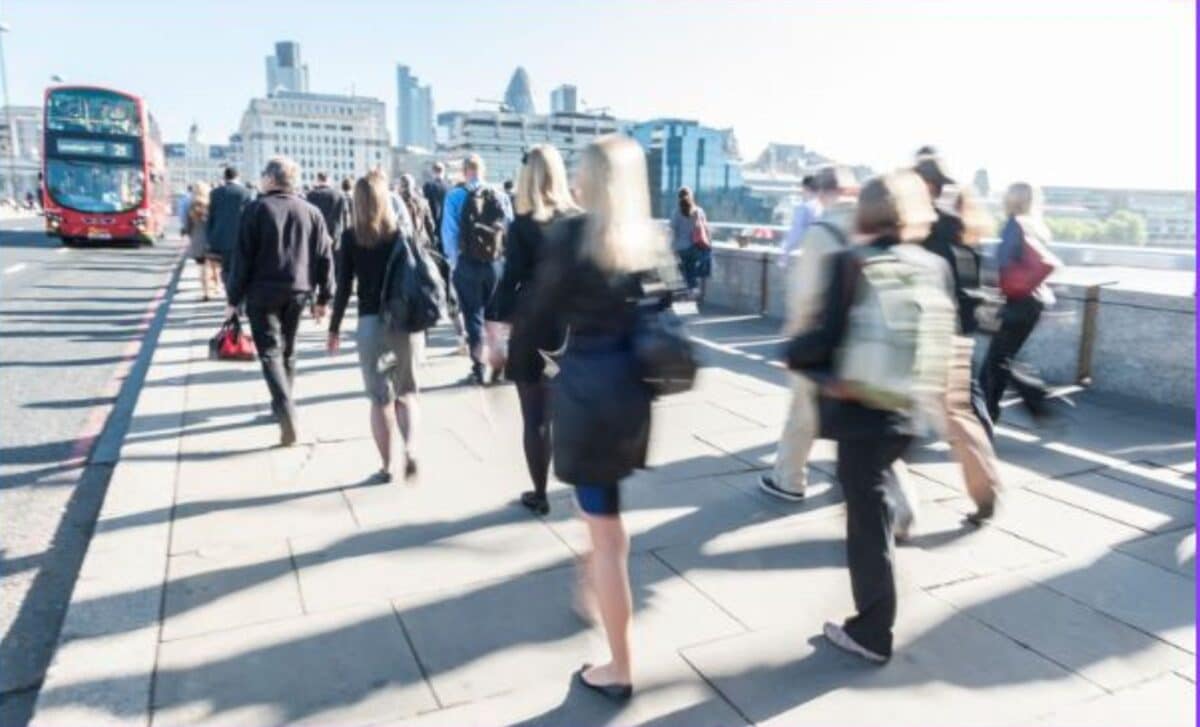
[284, 254]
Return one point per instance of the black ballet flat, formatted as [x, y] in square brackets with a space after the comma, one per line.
[535, 503]
[615, 692]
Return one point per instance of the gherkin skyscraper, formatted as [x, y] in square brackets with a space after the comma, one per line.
[518, 96]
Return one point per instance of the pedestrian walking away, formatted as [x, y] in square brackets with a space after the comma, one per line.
[385, 356]
[807, 212]
[591, 282]
[435, 190]
[474, 224]
[968, 425]
[691, 241]
[543, 201]
[195, 227]
[1023, 257]
[333, 205]
[891, 332]
[225, 207]
[283, 256]
[807, 280]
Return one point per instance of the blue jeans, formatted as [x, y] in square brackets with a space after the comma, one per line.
[475, 282]
[695, 264]
[599, 500]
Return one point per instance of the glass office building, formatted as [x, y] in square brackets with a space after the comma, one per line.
[683, 153]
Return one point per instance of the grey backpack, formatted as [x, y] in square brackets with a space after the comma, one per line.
[900, 329]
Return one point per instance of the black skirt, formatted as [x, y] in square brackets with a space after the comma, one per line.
[601, 414]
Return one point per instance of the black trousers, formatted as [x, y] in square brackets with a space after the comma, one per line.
[535, 416]
[274, 319]
[1017, 320]
[862, 469]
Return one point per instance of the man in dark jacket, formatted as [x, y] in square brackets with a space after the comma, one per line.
[332, 204]
[435, 193]
[225, 206]
[283, 254]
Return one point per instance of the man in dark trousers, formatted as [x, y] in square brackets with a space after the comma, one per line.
[435, 193]
[225, 206]
[332, 203]
[283, 254]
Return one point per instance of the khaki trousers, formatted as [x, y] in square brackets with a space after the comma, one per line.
[799, 433]
[966, 435]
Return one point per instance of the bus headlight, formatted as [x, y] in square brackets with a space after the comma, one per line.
[53, 220]
[140, 221]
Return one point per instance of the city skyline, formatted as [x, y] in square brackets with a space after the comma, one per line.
[1074, 121]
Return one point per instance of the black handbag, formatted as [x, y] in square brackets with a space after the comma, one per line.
[665, 355]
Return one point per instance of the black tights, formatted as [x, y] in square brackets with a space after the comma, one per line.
[535, 414]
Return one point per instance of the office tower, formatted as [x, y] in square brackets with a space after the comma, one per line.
[414, 110]
[285, 72]
[518, 97]
[564, 100]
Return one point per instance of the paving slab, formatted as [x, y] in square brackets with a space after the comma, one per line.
[350, 667]
[1167, 701]
[100, 680]
[658, 514]
[220, 588]
[1103, 650]
[359, 566]
[1119, 500]
[972, 674]
[1054, 525]
[534, 635]
[1169, 481]
[669, 694]
[1120, 586]
[1175, 551]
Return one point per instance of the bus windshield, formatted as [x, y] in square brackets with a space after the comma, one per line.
[92, 111]
[95, 186]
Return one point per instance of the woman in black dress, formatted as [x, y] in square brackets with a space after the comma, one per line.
[543, 199]
[596, 272]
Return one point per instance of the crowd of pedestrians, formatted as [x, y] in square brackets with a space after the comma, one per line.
[564, 287]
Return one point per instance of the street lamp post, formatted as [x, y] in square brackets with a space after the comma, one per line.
[8, 114]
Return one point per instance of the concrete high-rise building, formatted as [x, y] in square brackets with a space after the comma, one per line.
[518, 97]
[414, 110]
[20, 150]
[196, 161]
[503, 137]
[341, 135]
[564, 100]
[285, 72]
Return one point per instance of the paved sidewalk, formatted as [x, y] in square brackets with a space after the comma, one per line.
[235, 583]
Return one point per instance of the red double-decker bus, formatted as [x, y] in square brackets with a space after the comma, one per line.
[103, 175]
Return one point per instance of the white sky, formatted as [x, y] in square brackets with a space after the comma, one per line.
[1056, 91]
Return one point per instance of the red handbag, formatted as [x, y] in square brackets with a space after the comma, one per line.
[1024, 274]
[231, 343]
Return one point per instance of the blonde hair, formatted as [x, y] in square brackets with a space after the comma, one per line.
[613, 188]
[1022, 198]
[977, 221]
[1023, 201]
[542, 190]
[198, 209]
[474, 163]
[895, 204]
[374, 219]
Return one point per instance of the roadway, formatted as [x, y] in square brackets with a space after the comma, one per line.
[72, 322]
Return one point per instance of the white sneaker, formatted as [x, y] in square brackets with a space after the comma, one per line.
[839, 638]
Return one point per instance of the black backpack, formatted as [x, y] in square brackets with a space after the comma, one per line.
[413, 296]
[482, 225]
